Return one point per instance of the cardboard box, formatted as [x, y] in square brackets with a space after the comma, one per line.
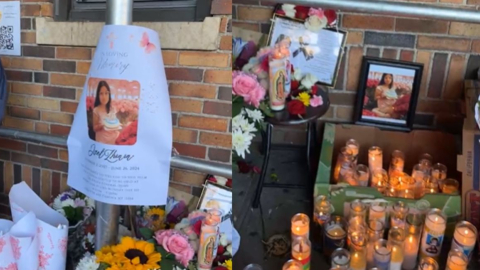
[440, 145]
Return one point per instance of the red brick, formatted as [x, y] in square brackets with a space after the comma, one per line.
[74, 53]
[42, 127]
[442, 43]
[354, 65]
[464, 29]
[390, 53]
[83, 67]
[55, 184]
[44, 151]
[192, 90]
[67, 79]
[39, 51]
[189, 178]
[26, 159]
[184, 74]
[248, 26]
[424, 58]
[190, 150]
[223, 24]
[60, 66]
[218, 76]
[256, 14]
[47, 10]
[354, 38]
[170, 58]
[203, 123]
[437, 106]
[476, 46]
[59, 92]
[204, 59]
[216, 139]
[221, 155]
[368, 22]
[217, 108]
[15, 75]
[221, 7]
[30, 10]
[25, 113]
[185, 135]
[421, 26]
[27, 88]
[54, 165]
[67, 106]
[226, 43]
[12, 145]
[344, 113]
[29, 37]
[59, 130]
[184, 188]
[407, 55]
[186, 105]
[454, 86]
[26, 63]
[18, 123]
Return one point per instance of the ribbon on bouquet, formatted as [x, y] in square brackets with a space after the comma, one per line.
[37, 237]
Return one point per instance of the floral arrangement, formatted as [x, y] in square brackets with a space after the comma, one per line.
[74, 205]
[220, 180]
[303, 93]
[315, 18]
[151, 217]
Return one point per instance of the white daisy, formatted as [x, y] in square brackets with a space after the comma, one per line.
[68, 202]
[255, 115]
[57, 203]
[247, 127]
[88, 262]
[237, 121]
[241, 142]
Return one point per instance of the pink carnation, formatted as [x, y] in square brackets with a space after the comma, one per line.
[247, 86]
[176, 243]
[316, 101]
[316, 12]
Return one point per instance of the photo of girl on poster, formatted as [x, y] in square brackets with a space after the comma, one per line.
[112, 111]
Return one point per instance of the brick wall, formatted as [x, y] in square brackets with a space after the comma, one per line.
[45, 84]
[450, 52]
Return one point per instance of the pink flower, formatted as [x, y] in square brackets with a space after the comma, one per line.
[316, 101]
[247, 86]
[316, 12]
[177, 244]
[79, 202]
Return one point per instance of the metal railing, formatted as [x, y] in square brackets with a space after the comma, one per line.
[416, 10]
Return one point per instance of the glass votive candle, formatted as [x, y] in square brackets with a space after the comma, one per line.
[397, 162]
[439, 172]
[344, 159]
[300, 226]
[414, 228]
[356, 232]
[335, 234]
[377, 211]
[398, 214]
[358, 209]
[433, 234]
[301, 251]
[354, 147]
[426, 160]
[456, 260]
[406, 188]
[431, 187]
[428, 263]
[348, 176]
[363, 174]
[396, 238]
[450, 186]
[382, 254]
[292, 265]
[464, 238]
[375, 158]
[376, 229]
[323, 209]
[340, 258]
[358, 254]
[379, 180]
[391, 190]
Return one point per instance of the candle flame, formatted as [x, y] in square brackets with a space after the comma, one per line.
[466, 231]
[410, 239]
[297, 228]
[436, 218]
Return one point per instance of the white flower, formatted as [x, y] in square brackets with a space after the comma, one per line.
[68, 202]
[229, 249]
[315, 23]
[241, 142]
[297, 75]
[237, 122]
[61, 211]
[57, 203]
[247, 127]
[90, 202]
[255, 115]
[223, 240]
[289, 10]
[221, 180]
[309, 80]
[88, 263]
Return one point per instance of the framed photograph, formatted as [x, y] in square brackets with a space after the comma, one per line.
[318, 53]
[216, 196]
[387, 93]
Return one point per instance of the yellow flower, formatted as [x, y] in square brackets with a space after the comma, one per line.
[136, 254]
[228, 264]
[305, 98]
[105, 255]
[156, 216]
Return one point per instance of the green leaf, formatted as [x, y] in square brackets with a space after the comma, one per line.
[103, 266]
[146, 233]
[237, 105]
[265, 108]
[152, 241]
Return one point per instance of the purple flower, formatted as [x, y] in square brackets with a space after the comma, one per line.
[64, 197]
[249, 50]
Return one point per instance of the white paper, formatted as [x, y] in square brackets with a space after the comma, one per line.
[324, 46]
[10, 28]
[33, 240]
[129, 60]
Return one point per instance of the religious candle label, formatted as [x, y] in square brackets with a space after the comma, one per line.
[431, 243]
[380, 263]
[207, 250]
[277, 83]
[467, 250]
[337, 241]
[120, 143]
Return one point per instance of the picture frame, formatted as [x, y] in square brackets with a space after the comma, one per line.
[320, 59]
[216, 196]
[388, 93]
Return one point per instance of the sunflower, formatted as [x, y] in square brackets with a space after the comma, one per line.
[156, 216]
[105, 255]
[137, 254]
[228, 264]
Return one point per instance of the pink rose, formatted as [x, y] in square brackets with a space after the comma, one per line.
[176, 243]
[316, 101]
[316, 12]
[247, 86]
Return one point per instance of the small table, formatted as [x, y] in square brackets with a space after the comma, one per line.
[283, 118]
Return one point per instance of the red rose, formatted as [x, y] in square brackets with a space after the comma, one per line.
[212, 179]
[220, 250]
[314, 89]
[197, 227]
[292, 69]
[301, 12]
[280, 12]
[243, 167]
[295, 92]
[229, 183]
[296, 107]
[295, 85]
[331, 16]
[264, 65]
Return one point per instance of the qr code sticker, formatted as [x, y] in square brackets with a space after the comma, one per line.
[6, 37]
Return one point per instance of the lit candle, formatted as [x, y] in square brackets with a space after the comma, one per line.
[426, 160]
[335, 234]
[209, 239]
[300, 226]
[359, 260]
[301, 251]
[428, 263]
[433, 234]
[379, 179]
[292, 265]
[457, 260]
[341, 258]
[375, 158]
[377, 211]
[450, 186]
[363, 174]
[399, 214]
[397, 162]
[414, 230]
[439, 172]
[396, 238]
[344, 160]
[358, 209]
[465, 237]
[375, 232]
[322, 210]
[354, 147]
[382, 255]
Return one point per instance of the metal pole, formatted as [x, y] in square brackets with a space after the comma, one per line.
[415, 10]
[119, 12]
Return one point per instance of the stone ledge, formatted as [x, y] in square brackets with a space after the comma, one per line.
[173, 35]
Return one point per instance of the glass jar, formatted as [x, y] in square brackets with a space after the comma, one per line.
[378, 211]
[354, 147]
[300, 226]
[439, 172]
[375, 158]
[358, 209]
[449, 186]
[341, 258]
[382, 254]
[457, 260]
[426, 160]
[301, 251]
[348, 175]
[363, 175]
[292, 265]
[465, 237]
[414, 228]
[358, 253]
[399, 214]
[396, 238]
[344, 160]
[323, 209]
[376, 229]
[397, 162]
[379, 180]
[428, 263]
[335, 234]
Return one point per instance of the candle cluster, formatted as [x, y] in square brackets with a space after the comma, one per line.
[388, 237]
[425, 177]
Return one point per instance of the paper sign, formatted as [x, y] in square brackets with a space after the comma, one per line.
[120, 143]
[10, 28]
